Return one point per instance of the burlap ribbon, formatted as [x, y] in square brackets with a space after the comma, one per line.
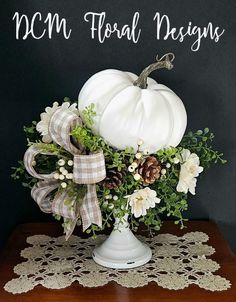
[87, 169]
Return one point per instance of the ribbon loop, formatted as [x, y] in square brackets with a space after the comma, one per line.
[60, 126]
[29, 158]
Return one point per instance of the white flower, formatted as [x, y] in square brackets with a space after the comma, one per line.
[190, 169]
[45, 117]
[71, 107]
[142, 200]
[42, 126]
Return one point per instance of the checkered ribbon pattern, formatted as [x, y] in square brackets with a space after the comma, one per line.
[87, 170]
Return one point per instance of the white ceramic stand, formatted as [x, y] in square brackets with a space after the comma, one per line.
[122, 249]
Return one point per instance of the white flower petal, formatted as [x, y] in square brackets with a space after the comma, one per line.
[185, 154]
[189, 170]
[181, 187]
[200, 169]
[47, 139]
[65, 105]
[157, 200]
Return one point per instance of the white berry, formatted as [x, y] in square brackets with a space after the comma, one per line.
[176, 160]
[56, 175]
[70, 163]
[115, 197]
[140, 142]
[111, 206]
[63, 185]
[61, 177]
[61, 162]
[134, 164]
[69, 176]
[105, 204]
[65, 172]
[146, 152]
[33, 163]
[61, 169]
[163, 171]
[131, 168]
[138, 155]
[168, 165]
[137, 176]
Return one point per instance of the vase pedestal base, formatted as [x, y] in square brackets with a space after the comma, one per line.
[122, 250]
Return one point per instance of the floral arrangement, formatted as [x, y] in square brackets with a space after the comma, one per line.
[144, 186]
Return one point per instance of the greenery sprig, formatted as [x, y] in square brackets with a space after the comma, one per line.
[113, 199]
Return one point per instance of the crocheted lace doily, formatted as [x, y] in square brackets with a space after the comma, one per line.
[177, 262]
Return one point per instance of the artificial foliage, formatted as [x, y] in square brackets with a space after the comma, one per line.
[126, 172]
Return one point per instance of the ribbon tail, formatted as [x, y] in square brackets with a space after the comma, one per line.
[66, 207]
[89, 210]
[70, 229]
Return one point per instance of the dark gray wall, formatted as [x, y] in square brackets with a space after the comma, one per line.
[37, 72]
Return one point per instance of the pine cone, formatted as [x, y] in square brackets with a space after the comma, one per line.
[149, 169]
[113, 179]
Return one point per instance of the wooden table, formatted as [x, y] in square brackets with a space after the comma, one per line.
[112, 291]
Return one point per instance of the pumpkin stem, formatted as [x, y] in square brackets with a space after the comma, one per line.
[164, 62]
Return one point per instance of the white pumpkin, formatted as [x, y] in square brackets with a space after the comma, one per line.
[130, 108]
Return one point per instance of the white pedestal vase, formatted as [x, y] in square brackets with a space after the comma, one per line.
[122, 249]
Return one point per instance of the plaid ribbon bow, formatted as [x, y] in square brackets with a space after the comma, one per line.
[88, 170]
